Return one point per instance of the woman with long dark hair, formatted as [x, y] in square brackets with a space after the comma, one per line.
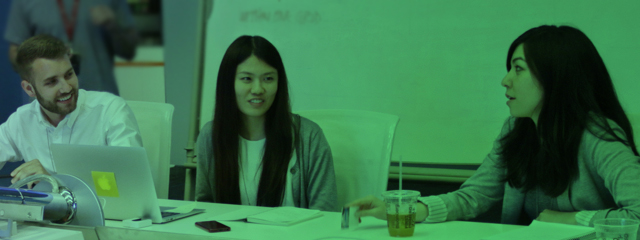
[255, 151]
[566, 154]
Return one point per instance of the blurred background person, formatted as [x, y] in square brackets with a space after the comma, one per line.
[96, 30]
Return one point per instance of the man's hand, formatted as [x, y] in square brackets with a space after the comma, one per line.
[13, 53]
[27, 169]
[557, 217]
[103, 16]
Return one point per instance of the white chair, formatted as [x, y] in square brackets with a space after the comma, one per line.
[635, 125]
[361, 144]
[154, 120]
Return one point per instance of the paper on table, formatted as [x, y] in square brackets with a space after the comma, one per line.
[549, 231]
[182, 209]
[284, 216]
[240, 214]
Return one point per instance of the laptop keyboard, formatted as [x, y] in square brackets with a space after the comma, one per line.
[168, 214]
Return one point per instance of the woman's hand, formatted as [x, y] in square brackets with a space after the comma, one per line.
[557, 217]
[370, 206]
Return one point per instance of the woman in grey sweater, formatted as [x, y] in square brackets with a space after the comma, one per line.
[566, 155]
[255, 151]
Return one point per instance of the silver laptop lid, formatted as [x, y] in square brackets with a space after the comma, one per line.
[120, 176]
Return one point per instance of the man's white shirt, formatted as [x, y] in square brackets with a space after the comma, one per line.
[100, 118]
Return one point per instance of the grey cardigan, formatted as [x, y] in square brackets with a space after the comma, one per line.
[608, 184]
[313, 183]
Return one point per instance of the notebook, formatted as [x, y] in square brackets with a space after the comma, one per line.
[548, 231]
[282, 216]
[120, 176]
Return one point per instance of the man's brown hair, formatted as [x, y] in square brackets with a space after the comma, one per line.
[40, 46]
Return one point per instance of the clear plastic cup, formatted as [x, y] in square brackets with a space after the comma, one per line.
[401, 211]
[616, 228]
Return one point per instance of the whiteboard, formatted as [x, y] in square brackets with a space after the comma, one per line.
[435, 64]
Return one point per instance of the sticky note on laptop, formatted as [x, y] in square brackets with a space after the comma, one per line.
[105, 184]
[183, 209]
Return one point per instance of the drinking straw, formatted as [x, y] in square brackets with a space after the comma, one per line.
[400, 175]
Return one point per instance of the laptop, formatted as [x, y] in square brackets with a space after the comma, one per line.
[120, 176]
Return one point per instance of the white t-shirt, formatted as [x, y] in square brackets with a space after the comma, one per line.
[100, 118]
[251, 153]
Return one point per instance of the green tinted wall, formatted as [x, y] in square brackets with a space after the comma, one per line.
[436, 64]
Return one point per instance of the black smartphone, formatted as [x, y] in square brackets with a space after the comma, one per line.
[213, 226]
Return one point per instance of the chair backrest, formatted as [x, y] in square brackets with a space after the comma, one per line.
[154, 120]
[361, 143]
[635, 125]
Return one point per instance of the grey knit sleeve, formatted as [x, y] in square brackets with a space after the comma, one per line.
[483, 189]
[321, 186]
[619, 169]
[204, 156]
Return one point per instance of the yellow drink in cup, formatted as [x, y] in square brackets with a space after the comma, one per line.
[401, 212]
[401, 225]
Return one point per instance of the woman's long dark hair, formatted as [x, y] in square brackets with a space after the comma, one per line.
[578, 95]
[227, 125]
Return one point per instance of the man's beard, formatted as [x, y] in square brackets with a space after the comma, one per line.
[52, 106]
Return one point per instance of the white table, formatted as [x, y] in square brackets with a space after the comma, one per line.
[325, 227]
[34, 232]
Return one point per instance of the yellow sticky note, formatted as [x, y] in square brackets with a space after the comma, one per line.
[105, 183]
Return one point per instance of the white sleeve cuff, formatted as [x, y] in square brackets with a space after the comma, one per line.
[584, 217]
[437, 209]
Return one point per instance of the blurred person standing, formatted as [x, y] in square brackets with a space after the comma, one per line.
[96, 30]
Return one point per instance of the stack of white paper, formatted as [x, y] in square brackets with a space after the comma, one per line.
[284, 216]
[548, 231]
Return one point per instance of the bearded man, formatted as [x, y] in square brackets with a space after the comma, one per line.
[62, 113]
